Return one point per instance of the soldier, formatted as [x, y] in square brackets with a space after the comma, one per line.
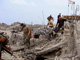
[26, 34]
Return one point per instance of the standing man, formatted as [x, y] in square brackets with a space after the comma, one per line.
[50, 22]
[50, 25]
[26, 34]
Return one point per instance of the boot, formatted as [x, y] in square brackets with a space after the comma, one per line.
[62, 32]
[55, 35]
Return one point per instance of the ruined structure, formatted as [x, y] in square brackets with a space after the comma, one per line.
[63, 47]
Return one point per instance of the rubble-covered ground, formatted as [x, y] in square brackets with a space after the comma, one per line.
[54, 49]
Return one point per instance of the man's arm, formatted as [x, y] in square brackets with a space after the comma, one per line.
[56, 24]
[29, 32]
[47, 25]
[66, 20]
[57, 19]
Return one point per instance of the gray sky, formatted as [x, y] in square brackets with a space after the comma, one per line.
[27, 11]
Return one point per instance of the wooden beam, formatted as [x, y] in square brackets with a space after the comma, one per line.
[72, 17]
[55, 47]
[18, 49]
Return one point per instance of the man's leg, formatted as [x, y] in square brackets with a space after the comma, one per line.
[28, 43]
[24, 39]
[56, 30]
[62, 32]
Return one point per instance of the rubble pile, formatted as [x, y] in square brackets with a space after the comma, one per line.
[58, 48]
[3, 26]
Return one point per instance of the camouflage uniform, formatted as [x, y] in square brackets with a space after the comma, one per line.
[26, 37]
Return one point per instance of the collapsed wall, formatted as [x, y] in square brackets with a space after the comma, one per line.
[73, 45]
[77, 37]
[74, 41]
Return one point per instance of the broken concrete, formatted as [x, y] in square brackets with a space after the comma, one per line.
[42, 46]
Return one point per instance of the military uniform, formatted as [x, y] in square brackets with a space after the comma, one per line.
[26, 37]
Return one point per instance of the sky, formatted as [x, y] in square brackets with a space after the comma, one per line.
[33, 11]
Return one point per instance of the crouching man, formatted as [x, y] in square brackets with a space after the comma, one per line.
[3, 43]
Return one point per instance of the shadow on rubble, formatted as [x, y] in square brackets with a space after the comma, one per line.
[55, 53]
[41, 58]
